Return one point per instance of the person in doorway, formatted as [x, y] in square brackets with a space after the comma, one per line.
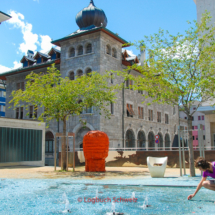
[208, 170]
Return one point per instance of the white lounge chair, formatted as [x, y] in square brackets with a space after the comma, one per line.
[157, 171]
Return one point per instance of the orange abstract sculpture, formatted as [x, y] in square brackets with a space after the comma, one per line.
[96, 147]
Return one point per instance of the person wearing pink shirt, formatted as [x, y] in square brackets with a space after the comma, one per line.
[208, 170]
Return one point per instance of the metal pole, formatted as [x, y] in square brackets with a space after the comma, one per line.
[55, 153]
[200, 140]
[73, 153]
[67, 154]
[123, 113]
[183, 155]
[179, 142]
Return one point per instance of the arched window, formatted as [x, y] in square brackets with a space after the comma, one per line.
[80, 50]
[160, 144]
[167, 142]
[79, 73]
[114, 53]
[89, 72]
[151, 141]
[130, 139]
[72, 76]
[72, 52]
[108, 49]
[89, 48]
[141, 140]
[49, 143]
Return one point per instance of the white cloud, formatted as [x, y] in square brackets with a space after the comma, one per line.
[31, 41]
[45, 43]
[37, 1]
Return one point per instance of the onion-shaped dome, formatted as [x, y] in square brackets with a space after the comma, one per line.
[91, 17]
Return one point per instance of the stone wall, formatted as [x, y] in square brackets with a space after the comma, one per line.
[138, 158]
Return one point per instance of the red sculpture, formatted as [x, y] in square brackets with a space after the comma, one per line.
[96, 147]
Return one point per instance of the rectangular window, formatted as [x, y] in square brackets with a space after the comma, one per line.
[192, 118]
[196, 137]
[203, 127]
[89, 109]
[185, 117]
[111, 78]
[130, 112]
[203, 117]
[199, 117]
[21, 86]
[174, 110]
[140, 91]
[195, 127]
[166, 119]
[129, 84]
[3, 108]
[174, 129]
[192, 127]
[18, 86]
[185, 128]
[17, 113]
[140, 113]
[158, 116]
[203, 137]
[112, 108]
[193, 137]
[21, 112]
[31, 111]
[150, 115]
[35, 111]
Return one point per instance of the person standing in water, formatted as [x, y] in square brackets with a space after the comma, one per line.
[208, 170]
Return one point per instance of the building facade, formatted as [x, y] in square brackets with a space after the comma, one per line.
[207, 108]
[2, 100]
[93, 47]
[198, 119]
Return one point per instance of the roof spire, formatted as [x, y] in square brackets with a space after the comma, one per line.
[91, 2]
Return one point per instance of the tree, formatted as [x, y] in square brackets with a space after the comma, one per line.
[62, 97]
[179, 70]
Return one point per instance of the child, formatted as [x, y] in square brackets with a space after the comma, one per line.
[208, 170]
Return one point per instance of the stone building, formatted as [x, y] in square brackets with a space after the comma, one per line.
[93, 47]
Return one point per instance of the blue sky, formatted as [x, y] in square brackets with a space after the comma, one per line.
[36, 22]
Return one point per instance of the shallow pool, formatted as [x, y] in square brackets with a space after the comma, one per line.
[25, 196]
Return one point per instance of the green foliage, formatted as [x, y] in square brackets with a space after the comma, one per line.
[62, 97]
[179, 69]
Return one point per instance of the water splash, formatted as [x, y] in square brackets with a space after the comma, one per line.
[66, 201]
[113, 207]
[97, 193]
[145, 203]
[133, 195]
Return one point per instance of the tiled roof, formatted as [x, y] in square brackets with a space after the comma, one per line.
[27, 68]
[82, 32]
[44, 55]
[27, 58]
[30, 51]
[131, 58]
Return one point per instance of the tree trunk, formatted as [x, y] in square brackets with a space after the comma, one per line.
[190, 143]
[63, 151]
